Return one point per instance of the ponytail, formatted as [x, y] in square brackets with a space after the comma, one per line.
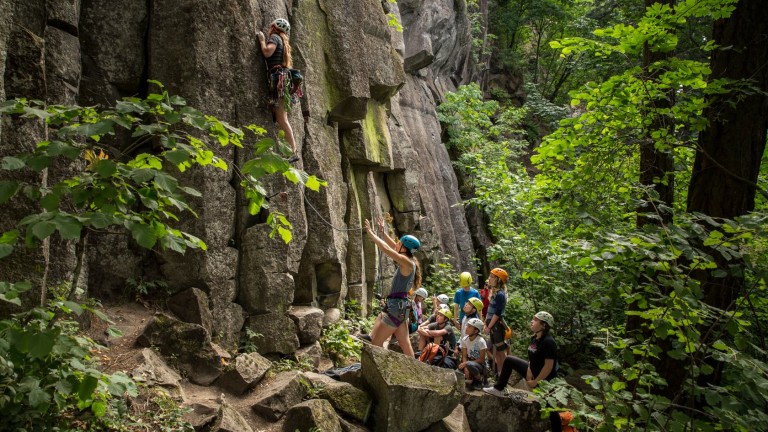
[287, 56]
[417, 277]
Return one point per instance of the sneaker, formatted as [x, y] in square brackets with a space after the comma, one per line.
[494, 391]
[293, 158]
[477, 385]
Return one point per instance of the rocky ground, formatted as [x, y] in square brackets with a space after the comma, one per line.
[389, 392]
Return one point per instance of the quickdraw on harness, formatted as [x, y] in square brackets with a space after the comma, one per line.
[285, 85]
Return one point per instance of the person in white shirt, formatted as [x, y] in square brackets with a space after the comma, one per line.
[473, 351]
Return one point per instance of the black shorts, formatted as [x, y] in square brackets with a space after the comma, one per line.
[497, 336]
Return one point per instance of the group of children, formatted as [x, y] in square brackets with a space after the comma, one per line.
[472, 317]
[474, 312]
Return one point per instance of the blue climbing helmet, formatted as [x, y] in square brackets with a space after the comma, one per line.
[410, 242]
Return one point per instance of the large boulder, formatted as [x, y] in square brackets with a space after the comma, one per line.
[245, 373]
[188, 344]
[456, 422]
[200, 416]
[278, 333]
[314, 413]
[280, 393]
[519, 412]
[229, 420]
[344, 397]
[309, 323]
[309, 354]
[153, 371]
[191, 305]
[409, 395]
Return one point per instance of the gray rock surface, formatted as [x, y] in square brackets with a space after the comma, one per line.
[279, 394]
[456, 422]
[244, 373]
[314, 413]
[278, 333]
[519, 412]
[152, 370]
[344, 397]
[230, 420]
[409, 395]
[189, 345]
[371, 133]
[191, 305]
[309, 323]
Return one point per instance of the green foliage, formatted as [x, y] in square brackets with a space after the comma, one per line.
[47, 369]
[303, 364]
[441, 278]
[138, 193]
[48, 376]
[339, 345]
[248, 340]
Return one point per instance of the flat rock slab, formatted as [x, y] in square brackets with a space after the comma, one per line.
[518, 412]
[244, 373]
[314, 413]
[409, 395]
[279, 394]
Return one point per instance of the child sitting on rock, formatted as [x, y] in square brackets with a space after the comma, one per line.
[440, 332]
[473, 350]
[472, 308]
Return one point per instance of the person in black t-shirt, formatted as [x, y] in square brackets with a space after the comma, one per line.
[541, 364]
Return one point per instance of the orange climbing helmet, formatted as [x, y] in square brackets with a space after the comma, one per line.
[500, 273]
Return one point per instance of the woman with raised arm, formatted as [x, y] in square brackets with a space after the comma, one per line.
[408, 273]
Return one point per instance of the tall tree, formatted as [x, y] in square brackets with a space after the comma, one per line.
[725, 172]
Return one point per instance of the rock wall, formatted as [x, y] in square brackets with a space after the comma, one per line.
[371, 131]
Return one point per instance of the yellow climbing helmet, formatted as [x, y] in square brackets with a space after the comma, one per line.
[465, 279]
[446, 312]
[476, 303]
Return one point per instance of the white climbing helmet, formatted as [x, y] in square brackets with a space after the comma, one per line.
[545, 317]
[442, 298]
[282, 24]
[476, 323]
[421, 292]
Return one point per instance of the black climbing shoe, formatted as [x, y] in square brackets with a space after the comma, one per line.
[293, 158]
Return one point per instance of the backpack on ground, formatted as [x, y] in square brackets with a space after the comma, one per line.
[433, 354]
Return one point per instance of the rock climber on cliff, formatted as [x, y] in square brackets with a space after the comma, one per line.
[408, 272]
[277, 53]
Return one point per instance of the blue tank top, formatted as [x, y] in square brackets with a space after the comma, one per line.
[400, 283]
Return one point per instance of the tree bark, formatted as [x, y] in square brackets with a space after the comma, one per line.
[724, 178]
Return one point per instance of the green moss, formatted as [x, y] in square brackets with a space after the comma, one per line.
[376, 132]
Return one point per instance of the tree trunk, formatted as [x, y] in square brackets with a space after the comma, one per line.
[723, 182]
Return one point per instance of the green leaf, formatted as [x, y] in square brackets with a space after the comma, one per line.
[50, 202]
[99, 220]
[177, 156]
[285, 234]
[313, 183]
[5, 250]
[7, 190]
[105, 168]
[114, 332]
[69, 227]
[73, 307]
[143, 234]
[87, 387]
[165, 181]
[142, 175]
[11, 163]
[40, 344]
[39, 399]
[43, 229]
[99, 408]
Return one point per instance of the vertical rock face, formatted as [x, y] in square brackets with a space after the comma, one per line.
[369, 129]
